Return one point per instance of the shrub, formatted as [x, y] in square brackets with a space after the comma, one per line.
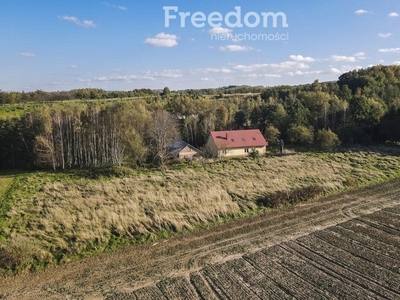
[327, 139]
[10, 258]
[290, 197]
[254, 153]
[301, 134]
[271, 134]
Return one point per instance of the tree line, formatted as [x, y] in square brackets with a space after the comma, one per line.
[80, 94]
[363, 106]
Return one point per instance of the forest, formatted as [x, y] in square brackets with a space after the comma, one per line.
[92, 127]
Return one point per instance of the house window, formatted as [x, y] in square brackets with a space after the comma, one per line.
[223, 151]
[232, 140]
[243, 139]
[254, 139]
[246, 150]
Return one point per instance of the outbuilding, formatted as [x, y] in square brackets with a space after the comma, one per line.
[181, 149]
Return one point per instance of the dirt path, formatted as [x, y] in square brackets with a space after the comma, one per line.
[137, 267]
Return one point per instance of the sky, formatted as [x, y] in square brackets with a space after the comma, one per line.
[125, 45]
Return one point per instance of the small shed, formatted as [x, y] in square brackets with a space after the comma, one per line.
[181, 149]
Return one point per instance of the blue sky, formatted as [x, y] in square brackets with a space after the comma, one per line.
[123, 45]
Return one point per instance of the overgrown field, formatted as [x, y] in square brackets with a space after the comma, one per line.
[50, 218]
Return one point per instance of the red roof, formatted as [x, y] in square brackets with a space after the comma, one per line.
[238, 139]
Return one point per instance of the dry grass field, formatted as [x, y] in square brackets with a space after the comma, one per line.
[54, 218]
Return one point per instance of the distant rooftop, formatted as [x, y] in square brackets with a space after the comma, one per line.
[238, 139]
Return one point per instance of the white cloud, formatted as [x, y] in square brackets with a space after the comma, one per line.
[335, 71]
[73, 66]
[347, 68]
[235, 48]
[331, 71]
[26, 54]
[220, 30]
[342, 58]
[361, 12]
[164, 74]
[297, 73]
[396, 63]
[125, 78]
[286, 65]
[87, 23]
[300, 73]
[393, 14]
[211, 70]
[301, 58]
[144, 76]
[162, 40]
[257, 76]
[359, 54]
[342, 69]
[71, 19]
[115, 6]
[75, 20]
[389, 50]
[385, 35]
[61, 83]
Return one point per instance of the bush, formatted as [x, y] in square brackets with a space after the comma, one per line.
[22, 253]
[254, 153]
[301, 134]
[10, 258]
[290, 197]
[271, 134]
[327, 139]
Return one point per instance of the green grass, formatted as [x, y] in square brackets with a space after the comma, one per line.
[6, 179]
[50, 218]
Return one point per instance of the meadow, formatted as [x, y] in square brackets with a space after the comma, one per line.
[49, 218]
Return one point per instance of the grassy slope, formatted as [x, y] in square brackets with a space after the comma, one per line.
[6, 180]
[58, 217]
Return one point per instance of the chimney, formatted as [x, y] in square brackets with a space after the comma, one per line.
[227, 136]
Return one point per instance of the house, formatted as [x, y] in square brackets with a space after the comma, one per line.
[181, 149]
[236, 143]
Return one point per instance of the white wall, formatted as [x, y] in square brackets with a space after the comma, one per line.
[241, 152]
